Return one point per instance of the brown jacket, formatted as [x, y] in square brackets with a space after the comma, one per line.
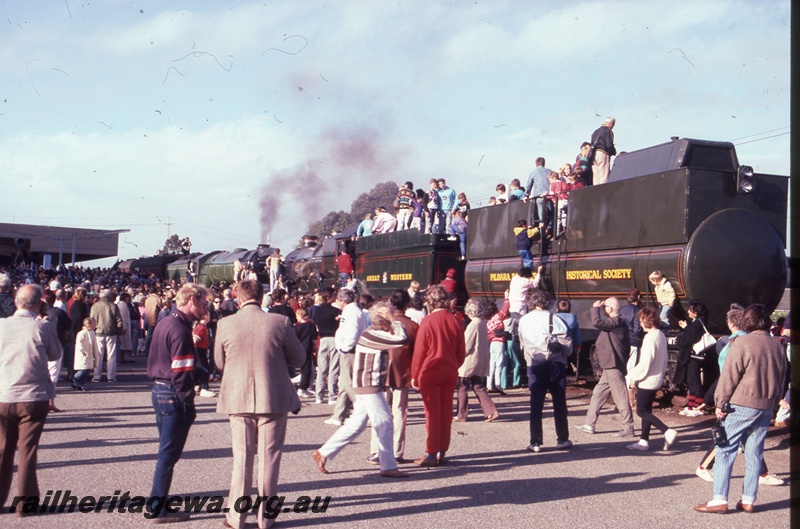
[754, 372]
[152, 306]
[253, 349]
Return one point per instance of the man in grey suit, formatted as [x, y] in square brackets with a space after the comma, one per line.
[254, 349]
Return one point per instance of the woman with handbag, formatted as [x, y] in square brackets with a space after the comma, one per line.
[695, 357]
[735, 320]
[749, 388]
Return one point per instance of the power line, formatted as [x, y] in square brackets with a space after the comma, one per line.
[760, 133]
[765, 138]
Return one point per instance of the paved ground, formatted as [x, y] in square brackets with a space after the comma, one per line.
[105, 441]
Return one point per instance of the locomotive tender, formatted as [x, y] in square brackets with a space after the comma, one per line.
[686, 207]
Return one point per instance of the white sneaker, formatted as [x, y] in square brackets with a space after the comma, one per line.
[585, 428]
[769, 479]
[535, 448]
[207, 393]
[693, 413]
[669, 438]
[332, 401]
[705, 474]
[319, 400]
[304, 394]
[333, 422]
[641, 446]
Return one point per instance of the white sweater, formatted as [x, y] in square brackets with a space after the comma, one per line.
[649, 372]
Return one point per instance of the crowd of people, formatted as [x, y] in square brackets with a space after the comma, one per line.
[440, 210]
[273, 351]
[550, 189]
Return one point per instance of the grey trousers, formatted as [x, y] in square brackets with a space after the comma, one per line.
[611, 384]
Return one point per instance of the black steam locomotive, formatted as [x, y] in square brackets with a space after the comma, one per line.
[716, 230]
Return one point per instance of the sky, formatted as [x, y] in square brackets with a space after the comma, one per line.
[237, 123]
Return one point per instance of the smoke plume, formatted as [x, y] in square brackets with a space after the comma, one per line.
[346, 162]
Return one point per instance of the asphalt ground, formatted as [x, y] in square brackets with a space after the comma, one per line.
[105, 441]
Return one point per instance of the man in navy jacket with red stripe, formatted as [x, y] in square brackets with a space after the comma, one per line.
[171, 367]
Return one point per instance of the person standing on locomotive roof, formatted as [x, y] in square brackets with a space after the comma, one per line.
[420, 211]
[538, 185]
[448, 196]
[365, 228]
[603, 145]
[583, 165]
[435, 214]
[274, 265]
[404, 203]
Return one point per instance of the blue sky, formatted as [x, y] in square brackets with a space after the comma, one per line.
[185, 116]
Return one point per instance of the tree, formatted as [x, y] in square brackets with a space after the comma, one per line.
[172, 245]
[381, 195]
[336, 221]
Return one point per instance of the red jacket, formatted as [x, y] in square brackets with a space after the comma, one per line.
[495, 323]
[439, 349]
[344, 263]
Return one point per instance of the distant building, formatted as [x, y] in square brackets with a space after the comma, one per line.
[50, 246]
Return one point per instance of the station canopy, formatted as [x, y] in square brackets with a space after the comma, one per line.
[33, 243]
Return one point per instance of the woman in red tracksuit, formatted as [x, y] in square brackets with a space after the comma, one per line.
[439, 351]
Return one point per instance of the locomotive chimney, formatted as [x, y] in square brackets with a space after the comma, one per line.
[310, 241]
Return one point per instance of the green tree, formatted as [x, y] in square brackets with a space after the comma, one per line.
[382, 194]
[172, 244]
[336, 221]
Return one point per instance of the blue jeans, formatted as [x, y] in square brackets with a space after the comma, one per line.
[748, 426]
[527, 258]
[344, 277]
[438, 220]
[82, 376]
[513, 352]
[552, 377]
[148, 338]
[173, 419]
[497, 362]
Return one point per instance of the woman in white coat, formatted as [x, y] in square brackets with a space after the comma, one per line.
[86, 352]
[648, 375]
